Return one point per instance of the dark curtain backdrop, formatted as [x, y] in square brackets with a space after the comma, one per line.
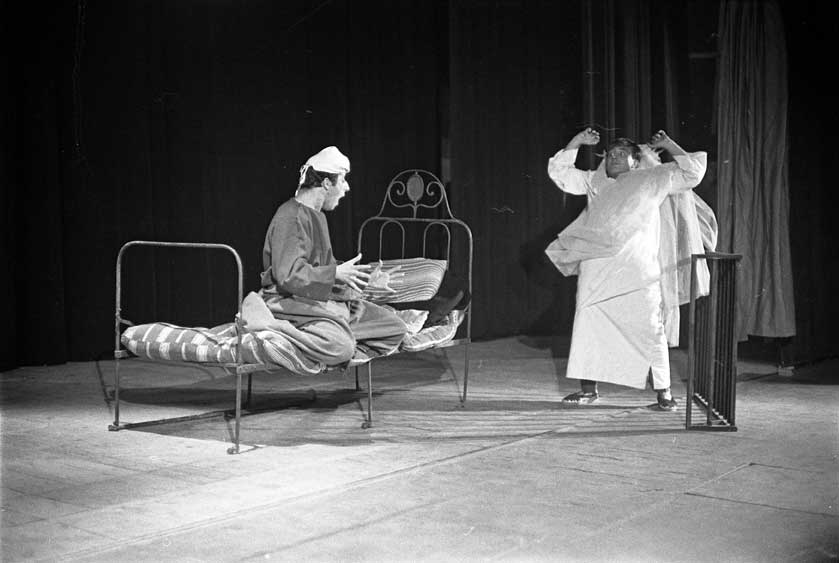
[516, 98]
[632, 67]
[543, 71]
[189, 120]
[813, 197]
[8, 235]
[753, 191]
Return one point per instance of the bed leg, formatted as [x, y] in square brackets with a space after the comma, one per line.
[465, 374]
[369, 422]
[235, 448]
[115, 426]
[250, 389]
[357, 386]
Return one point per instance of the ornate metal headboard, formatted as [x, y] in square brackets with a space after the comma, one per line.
[417, 196]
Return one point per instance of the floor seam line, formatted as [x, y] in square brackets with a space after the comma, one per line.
[783, 508]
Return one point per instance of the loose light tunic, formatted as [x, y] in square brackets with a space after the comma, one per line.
[613, 246]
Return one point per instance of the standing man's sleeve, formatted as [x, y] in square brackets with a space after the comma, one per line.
[687, 172]
[568, 177]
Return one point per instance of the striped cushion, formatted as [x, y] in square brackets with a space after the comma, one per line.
[420, 280]
[163, 341]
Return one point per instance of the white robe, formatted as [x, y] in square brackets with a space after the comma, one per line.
[616, 248]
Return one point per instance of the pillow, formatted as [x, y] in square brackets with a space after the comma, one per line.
[417, 279]
[433, 336]
[413, 319]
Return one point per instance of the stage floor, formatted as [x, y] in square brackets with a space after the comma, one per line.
[513, 475]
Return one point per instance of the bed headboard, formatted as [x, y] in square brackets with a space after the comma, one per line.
[415, 220]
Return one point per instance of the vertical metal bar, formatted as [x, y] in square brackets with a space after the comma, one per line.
[719, 364]
[691, 341]
[240, 359]
[729, 372]
[250, 391]
[465, 372]
[369, 394]
[722, 346]
[724, 384]
[719, 347]
[117, 321]
[701, 346]
[237, 423]
[732, 367]
[733, 263]
[116, 392]
[448, 247]
[704, 342]
[712, 327]
[729, 331]
[357, 386]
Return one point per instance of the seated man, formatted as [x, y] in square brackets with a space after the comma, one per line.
[302, 282]
[613, 246]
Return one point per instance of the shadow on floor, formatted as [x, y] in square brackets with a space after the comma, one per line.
[821, 373]
[418, 414]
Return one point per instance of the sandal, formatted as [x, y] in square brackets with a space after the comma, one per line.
[666, 404]
[581, 398]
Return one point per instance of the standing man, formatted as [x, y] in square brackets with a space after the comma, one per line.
[613, 246]
[304, 284]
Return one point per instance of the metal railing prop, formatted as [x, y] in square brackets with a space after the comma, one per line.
[712, 345]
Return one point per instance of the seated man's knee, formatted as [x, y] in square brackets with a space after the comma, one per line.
[329, 342]
[343, 349]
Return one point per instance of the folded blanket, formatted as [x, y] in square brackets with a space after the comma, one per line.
[318, 330]
[163, 341]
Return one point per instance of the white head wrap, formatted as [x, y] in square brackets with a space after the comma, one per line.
[329, 160]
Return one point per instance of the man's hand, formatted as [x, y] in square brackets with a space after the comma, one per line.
[587, 136]
[353, 274]
[661, 141]
[381, 278]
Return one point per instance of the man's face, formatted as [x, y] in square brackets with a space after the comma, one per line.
[334, 192]
[618, 161]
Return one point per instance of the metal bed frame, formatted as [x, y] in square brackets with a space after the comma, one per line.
[411, 189]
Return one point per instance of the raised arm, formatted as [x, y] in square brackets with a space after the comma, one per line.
[561, 167]
[689, 169]
[662, 141]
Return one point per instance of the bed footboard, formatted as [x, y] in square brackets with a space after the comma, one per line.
[239, 367]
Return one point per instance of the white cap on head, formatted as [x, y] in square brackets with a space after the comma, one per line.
[329, 160]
